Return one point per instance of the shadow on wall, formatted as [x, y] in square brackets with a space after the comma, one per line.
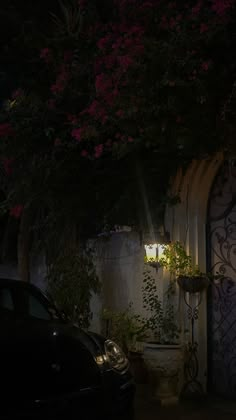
[120, 266]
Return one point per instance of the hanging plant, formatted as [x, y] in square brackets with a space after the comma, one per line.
[189, 277]
[193, 284]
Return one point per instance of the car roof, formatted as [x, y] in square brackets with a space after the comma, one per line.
[16, 283]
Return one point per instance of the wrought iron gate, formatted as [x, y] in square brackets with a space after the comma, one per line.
[222, 293]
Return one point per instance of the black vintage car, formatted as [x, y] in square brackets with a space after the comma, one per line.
[46, 363]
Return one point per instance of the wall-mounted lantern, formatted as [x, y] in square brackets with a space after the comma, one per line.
[151, 252]
[154, 250]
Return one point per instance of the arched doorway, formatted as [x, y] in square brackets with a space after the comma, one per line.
[221, 239]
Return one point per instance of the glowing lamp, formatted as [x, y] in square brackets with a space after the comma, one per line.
[151, 252]
[152, 255]
[154, 248]
[160, 249]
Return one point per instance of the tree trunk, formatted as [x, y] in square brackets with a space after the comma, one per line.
[23, 248]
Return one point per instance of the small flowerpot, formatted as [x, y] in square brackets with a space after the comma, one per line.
[193, 284]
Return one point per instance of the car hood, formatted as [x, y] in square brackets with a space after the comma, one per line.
[92, 341]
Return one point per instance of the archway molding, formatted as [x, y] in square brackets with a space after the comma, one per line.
[186, 222]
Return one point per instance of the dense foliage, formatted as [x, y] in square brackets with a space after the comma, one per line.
[72, 281]
[109, 99]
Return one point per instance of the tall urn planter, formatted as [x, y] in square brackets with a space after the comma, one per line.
[165, 365]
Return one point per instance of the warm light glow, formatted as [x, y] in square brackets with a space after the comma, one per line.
[151, 252]
[160, 249]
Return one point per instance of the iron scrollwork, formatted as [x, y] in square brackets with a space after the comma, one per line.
[192, 387]
[222, 261]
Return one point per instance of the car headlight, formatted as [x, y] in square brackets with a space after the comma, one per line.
[114, 356]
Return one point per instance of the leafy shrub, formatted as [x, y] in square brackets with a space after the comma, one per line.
[124, 327]
[72, 279]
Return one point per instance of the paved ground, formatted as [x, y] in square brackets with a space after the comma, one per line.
[146, 408]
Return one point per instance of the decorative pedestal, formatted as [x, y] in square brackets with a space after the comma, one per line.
[165, 368]
[193, 288]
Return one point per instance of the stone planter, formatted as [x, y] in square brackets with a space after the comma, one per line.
[165, 364]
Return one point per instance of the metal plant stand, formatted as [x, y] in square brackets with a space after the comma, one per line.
[192, 387]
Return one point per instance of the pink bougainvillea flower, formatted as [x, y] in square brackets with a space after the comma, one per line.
[130, 139]
[46, 55]
[77, 133]
[16, 211]
[221, 6]
[203, 28]
[6, 130]
[196, 9]
[98, 150]
[125, 61]
[103, 42]
[103, 83]
[205, 65]
[61, 81]
[120, 113]
[72, 118]
[44, 52]
[136, 29]
[7, 165]
[118, 44]
[57, 88]
[93, 108]
[84, 153]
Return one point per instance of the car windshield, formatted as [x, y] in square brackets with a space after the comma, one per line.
[31, 304]
[28, 302]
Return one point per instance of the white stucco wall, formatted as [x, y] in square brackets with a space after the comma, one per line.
[119, 261]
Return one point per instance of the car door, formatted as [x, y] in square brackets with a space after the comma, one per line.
[35, 337]
[8, 344]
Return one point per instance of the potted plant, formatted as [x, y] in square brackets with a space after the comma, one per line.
[127, 329]
[189, 277]
[163, 354]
